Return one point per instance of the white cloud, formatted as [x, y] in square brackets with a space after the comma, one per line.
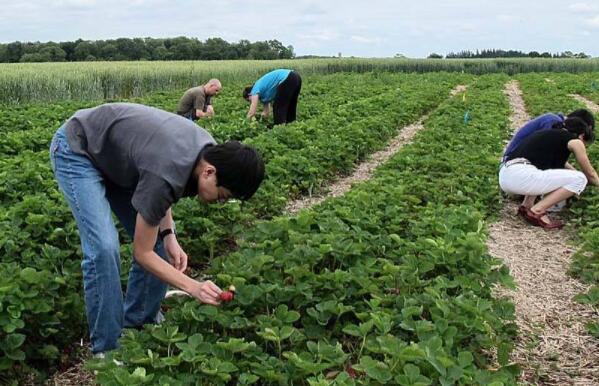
[583, 7]
[324, 36]
[593, 22]
[507, 18]
[74, 3]
[365, 39]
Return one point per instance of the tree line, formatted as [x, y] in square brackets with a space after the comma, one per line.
[179, 48]
[495, 53]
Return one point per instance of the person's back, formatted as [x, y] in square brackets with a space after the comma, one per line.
[192, 99]
[266, 86]
[545, 149]
[542, 122]
[145, 149]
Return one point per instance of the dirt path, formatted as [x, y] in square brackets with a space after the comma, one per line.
[553, 347]
[592, 106]
[364, 171]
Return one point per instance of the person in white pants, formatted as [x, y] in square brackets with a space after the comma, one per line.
[539, 166]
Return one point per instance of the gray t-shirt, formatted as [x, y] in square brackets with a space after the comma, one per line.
[143, 149]
[193, 99]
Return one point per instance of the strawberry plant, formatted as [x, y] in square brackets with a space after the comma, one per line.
[39, 232]
[318, 299]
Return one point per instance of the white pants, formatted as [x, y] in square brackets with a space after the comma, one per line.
[527, 180]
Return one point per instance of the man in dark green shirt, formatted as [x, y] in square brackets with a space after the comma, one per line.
[196, 102]
[137, 161]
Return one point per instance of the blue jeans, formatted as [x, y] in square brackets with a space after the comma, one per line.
[92, 200]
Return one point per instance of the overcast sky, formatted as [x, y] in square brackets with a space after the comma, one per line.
[369, 28]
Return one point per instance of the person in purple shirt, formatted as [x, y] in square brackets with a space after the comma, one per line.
[544, 122]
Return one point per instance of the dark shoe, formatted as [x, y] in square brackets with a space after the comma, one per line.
[536, 219]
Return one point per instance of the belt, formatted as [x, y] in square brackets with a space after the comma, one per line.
[516, 161]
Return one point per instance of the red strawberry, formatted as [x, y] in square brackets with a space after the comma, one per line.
[353, 373]
[227, 296]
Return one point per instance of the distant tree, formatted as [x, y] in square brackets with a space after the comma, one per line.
[178, 48]
[14, 51]
[3, 53]
[69, 49]
[109, 51]
[34, 57]
[215, 49]
[261, 50]
[435, 56]
[84, 50]
[182, 50]
[243, 48]
[54, 53]
[494, 53]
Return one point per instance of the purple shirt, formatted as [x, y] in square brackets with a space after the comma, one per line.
[542, 122]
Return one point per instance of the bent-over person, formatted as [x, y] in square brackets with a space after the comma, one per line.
[196, 102]
[137, 161]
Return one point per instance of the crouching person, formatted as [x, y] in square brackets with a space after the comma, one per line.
[539, 166]
[136, 162]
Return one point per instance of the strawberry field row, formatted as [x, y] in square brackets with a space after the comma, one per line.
[38, 232]
[388, 284]
[31, 127]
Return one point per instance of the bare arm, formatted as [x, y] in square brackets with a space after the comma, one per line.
[577, 147]
[253, 105]
[176, 254]
[167, 221]
[143, 251]
[569, 166]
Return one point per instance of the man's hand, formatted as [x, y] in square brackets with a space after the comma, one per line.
[209, 111]
[176, 254]
[206, 292]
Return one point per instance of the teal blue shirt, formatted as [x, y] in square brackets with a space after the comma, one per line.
[266, 86]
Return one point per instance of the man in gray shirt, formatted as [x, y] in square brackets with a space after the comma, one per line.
[137, 161]
[196, 102]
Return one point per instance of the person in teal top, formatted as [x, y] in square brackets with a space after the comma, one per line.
[280, 88]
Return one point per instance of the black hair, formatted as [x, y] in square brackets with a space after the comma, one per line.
[578, 126]
[585, 115]
[239, 167]
[247, 90]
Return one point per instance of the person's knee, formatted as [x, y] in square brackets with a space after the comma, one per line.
[581, 179]
[109, 247]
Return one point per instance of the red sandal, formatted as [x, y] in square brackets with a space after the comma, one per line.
[536, 219]
[522, 210]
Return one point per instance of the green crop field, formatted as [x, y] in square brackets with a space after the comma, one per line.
[391, 283]
[47, 82]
